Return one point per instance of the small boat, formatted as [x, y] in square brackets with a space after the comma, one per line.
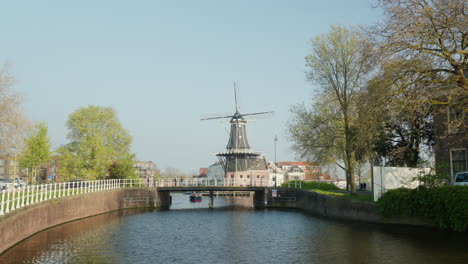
[195, 197]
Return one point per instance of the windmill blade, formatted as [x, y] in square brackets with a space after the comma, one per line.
[259, 113]
[235, 97]
[218, 117]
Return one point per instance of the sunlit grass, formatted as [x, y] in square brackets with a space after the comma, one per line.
[355, 196]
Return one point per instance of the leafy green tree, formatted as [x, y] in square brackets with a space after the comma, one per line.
[124, 168]
[395, 114]
[97, 140]
[340, 64]
[36, 151]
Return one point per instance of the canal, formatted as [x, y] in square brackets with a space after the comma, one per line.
[233, 233]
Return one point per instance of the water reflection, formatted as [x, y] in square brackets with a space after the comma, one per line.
[192, 233]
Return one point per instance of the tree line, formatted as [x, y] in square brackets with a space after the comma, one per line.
[378, 88]
[98, 145]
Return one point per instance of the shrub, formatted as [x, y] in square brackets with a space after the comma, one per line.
[445, 206]
[312, 185]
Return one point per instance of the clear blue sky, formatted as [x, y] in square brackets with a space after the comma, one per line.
[164, 64]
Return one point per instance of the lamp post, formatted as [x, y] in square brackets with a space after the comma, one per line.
[276, 139]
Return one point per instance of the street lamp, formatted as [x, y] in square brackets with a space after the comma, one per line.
[276, 139]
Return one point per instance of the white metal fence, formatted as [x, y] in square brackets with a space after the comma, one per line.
[14, 198]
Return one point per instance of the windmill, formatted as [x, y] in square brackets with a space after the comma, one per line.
[239, 157]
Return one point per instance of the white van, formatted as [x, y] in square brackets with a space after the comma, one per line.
[461, 178]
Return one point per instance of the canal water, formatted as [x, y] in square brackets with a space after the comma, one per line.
[233, 233]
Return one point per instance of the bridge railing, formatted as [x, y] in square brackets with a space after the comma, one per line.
[181, 182]
[15, 198]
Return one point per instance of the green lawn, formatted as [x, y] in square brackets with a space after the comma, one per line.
[361, 197]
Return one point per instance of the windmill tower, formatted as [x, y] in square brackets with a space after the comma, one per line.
[241, 164]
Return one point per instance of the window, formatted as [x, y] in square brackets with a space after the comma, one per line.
[458, 160]
[241, 176]
[258, 176]
[248, 176]
[232, 176]
[456, 120]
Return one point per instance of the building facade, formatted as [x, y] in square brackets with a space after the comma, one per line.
[451, 140]
[145, 169]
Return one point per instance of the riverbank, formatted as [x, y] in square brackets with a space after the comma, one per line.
[335, 207]
[24, 222]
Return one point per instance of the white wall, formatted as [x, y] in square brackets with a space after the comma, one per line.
[279, 178]
[215, 171]
[387, 178]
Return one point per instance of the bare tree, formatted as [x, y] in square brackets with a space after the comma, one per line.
[434, 29]
[340, 64]
[13, 124]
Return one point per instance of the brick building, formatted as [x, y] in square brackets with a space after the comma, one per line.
[451, 140]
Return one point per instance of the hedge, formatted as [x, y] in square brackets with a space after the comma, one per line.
[446, 206]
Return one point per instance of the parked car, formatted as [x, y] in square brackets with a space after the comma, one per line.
[19, 183]
[6, 184]
[461, 178]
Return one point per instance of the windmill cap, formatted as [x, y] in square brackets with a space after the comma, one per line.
[238, 116]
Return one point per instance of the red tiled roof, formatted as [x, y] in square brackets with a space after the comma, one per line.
[203, 171]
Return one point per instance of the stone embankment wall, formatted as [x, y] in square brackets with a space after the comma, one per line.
[334, 207]
[26, 221]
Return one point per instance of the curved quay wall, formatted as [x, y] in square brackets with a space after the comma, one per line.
[24, 222]
[334, 207]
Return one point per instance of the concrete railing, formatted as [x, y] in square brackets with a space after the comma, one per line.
[14, 198]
